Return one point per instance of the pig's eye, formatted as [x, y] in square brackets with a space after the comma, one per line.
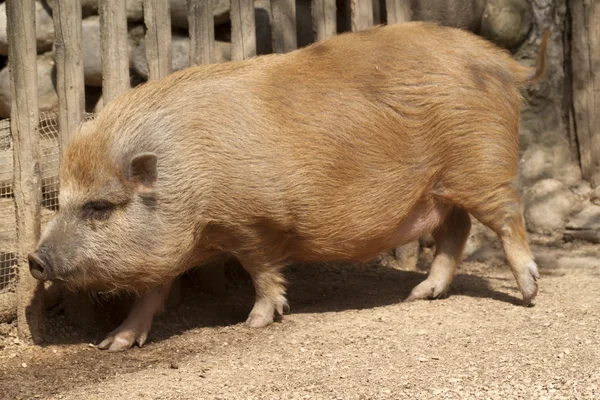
[98, 210]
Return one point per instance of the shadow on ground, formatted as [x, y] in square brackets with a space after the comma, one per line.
[311, 289]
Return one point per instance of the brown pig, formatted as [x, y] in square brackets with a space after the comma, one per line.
[335, 152]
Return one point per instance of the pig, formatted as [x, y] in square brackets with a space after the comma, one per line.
[335, 152]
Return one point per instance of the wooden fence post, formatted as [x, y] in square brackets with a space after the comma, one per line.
[157, 16]
[361, 14]
[324, 19]
[27, 191]
[397, 11]
[285, 37]
[114, 51]
[69, 68]
[243, 29]
[71, 107]
[202, 31]
[585, 58]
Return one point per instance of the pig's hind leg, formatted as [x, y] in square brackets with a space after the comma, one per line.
[136, 326]
[501, 212]
[450, 239]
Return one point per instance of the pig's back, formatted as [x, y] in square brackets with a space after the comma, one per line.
[342, 140]
[386, 106]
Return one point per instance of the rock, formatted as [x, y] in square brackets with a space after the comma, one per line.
[181, 54]
[507, 22]
[570, 175]
[44, 28]
[536, 163]
[585, 225]
[541, 161]
[135, 10]
[456, 13]
[92, 60]
[583, 191]
[47, 96]
[548, 204]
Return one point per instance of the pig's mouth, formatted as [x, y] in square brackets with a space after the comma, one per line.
[41, 269]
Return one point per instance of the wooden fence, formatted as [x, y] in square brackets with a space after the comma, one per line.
[67, 16]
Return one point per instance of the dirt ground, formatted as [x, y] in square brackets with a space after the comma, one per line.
[349, 336]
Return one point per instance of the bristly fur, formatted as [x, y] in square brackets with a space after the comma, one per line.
[334, 152]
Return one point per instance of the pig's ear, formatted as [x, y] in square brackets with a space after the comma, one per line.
[142, 169]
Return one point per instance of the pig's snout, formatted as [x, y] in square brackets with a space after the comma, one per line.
[39, 266]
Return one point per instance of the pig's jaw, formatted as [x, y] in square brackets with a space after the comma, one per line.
[80, 278]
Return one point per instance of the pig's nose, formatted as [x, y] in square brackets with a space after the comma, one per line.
[39, 267]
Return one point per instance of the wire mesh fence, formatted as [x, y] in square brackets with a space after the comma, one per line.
[49, 153]
[49, 159]
[8, 226]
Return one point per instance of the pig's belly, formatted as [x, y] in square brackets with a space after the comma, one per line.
[424, 218]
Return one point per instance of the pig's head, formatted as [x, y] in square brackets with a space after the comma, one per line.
[108, 233]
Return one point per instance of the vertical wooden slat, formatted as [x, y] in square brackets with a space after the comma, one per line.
[284, 26]
[397, 11]
[324, 19]
[69, 68]
[202, 31]
[114, 52]
[243, 29]
[24, 116]
[361, 14]
[157, 16]
[585, 56]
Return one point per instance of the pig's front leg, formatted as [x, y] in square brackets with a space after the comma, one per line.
[270, 292]
[136, 326]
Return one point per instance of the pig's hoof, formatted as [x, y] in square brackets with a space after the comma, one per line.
[428, 290]
[265, 310]
[123, 340]
[258, 321]
[528, 284]
[262, 314]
